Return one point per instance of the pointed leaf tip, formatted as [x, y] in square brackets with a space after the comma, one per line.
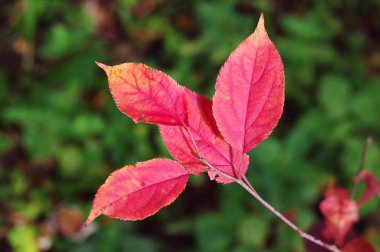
[103, 66]
[260, 28]
[261, 20]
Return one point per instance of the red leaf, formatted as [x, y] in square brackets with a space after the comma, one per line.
[145, 94]
[372, 186]
[340, 214]
[249, 95]
[316, 230]
[337, 191]
[358, 244]
[136, 192]
[211, 146]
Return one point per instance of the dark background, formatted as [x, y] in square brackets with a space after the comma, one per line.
[61, 133]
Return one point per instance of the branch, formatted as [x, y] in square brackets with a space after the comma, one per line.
[249, 188]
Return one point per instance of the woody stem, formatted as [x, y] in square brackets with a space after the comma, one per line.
[249, 188]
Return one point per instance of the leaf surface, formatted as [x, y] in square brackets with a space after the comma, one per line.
[146, 94]
[249, 95]
[372, 186]
[210, 144]
[136, 192]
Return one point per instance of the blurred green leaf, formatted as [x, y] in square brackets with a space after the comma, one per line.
[212, 233]
[334, 95]
[366, 104]
[253, 230]
[71, 161]
[23, 239]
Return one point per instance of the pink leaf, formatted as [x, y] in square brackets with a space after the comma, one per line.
[340, 214]
[249, 95]
[372, 186]
[336, 191]
[136, 192]
[145, 94]
[211, 146]
[358, 244]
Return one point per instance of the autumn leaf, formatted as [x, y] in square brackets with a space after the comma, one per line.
[340, 213]
[136, 192]
[317, 230]
[372, 188]
[358, 244]
[146, 94]
[207, 141]
[249, 95]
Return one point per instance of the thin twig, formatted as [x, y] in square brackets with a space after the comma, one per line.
[249, 188]
[366, 145]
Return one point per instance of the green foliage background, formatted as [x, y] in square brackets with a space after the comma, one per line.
[61, 134]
